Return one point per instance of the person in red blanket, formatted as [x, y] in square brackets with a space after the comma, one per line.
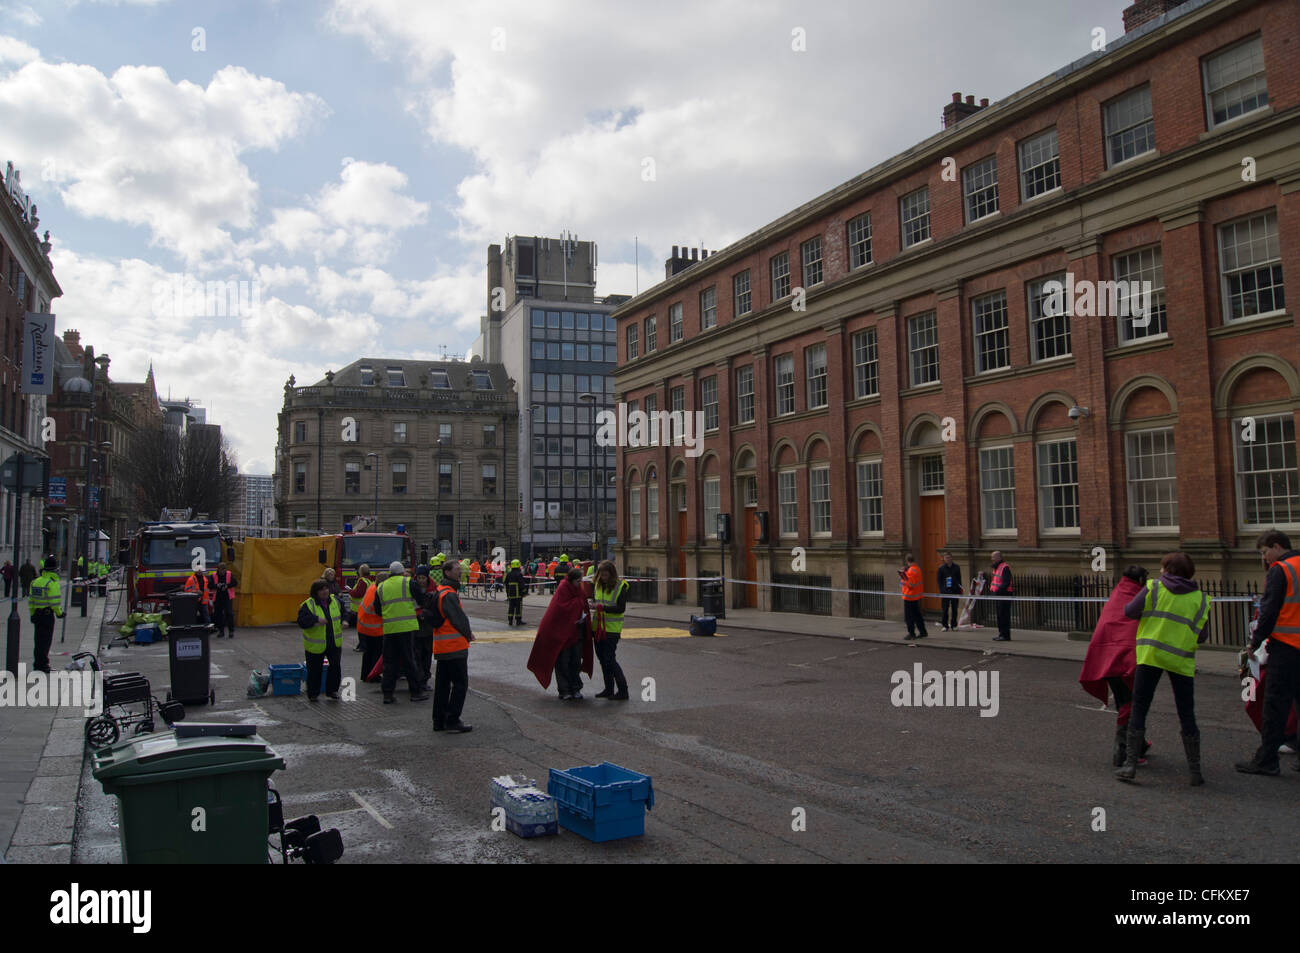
[563, 642]
[1111, 658]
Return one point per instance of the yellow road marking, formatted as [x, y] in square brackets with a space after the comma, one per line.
[663, 633]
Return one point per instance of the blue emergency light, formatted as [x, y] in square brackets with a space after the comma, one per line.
[347, 527]
[401, 527]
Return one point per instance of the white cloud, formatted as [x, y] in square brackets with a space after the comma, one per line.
[21, 13]
[13, 50]
[140, 149]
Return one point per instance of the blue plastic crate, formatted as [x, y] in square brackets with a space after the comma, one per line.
[287, 679]
[146, 633]
[602, 802]
[703, 625]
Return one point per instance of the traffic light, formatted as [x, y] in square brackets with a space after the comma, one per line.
[462, 544]
[724, 527]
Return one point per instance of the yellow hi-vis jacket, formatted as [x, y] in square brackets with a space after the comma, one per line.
[1169, 627]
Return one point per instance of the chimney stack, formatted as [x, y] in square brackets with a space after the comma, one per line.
[955, 111]
[1144, 11]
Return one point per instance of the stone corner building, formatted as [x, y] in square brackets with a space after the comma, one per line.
[929, 398]
[441, 433]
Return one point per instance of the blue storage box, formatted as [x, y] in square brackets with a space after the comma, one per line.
[704, 625]
[146, 633]
[287, 679]
[602, 802]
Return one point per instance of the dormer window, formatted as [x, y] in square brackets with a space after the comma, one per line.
[482, 380]
[439, 380]
[396, 377]
[367, 376]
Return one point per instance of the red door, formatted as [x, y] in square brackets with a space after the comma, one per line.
[932, 540]
[751, 562]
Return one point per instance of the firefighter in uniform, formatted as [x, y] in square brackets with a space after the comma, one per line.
[1173, 616]
[1279, 623]
[44, 605]
[197, 583]
[611, 602]
[451, 638]
[515, 594]
[435, 569]
[223, 599]
[321, 619]
[1000, 586]
[395, 602]
[370, 628]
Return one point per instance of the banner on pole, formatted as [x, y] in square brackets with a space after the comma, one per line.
[38, 353]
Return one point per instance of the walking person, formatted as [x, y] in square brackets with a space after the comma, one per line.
[370, 628]
[395, 602]
[563, 642]
[909, 580]
[1174, 617]
[515, 594]
[1000, 588]
[424, 635]
[1109, 664]
[223, 599]
[1279, 626]
[949, 589]
[321, 619]
[7, 572]
[26, 574]
[44, 607]
[451, 638]
[610, 594]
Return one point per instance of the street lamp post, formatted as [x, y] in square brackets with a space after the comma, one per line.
[375, 477]
[93, 365]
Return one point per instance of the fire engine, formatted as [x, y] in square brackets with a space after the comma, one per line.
[376, 550]
[159, 558]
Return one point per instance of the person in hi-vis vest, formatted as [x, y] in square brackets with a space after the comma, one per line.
[1173, 618]
[610, 598]
[1279, 626]
[395, 602]
[44, 604]
[321, 619]
[370, 628]
[909, 581]
[451, 638]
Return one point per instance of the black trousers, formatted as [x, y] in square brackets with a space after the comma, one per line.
[424, 653]
[1004, 616]
[43, 622]
[949, 608]
[399, 659]
[223, 616]
[372, 651]
[315, 662]
[913, 617]
[450, 685]
[1281, 691]
[1123, 700]
[606, 649]
[1145, 680]
[9, 585]
[568, 669]
[515, 609]
[27, 587]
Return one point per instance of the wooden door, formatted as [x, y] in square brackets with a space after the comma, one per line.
[932, 539]
[751, 560]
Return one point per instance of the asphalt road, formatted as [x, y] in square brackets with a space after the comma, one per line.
[745, 734]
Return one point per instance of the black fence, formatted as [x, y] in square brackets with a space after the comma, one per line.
[861, 604]
[816, 601]
[643, 591]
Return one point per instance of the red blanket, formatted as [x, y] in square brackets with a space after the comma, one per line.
[1112, 653]
[559, 630]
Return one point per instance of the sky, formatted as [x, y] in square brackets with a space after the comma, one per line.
[346, 164]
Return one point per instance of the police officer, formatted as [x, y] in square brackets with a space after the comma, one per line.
[321, 619]
[395, 602]
[1279, 623]
[44, 605]
[1001, 587]
[435, 569]
[515, 594]
[451, 638]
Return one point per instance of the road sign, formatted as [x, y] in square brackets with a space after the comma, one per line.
[58, 495]
[36, 474]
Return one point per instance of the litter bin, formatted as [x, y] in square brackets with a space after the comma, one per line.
[711, 600]
[160, 781]
[189, 662]
[78, 595]
[184, 608]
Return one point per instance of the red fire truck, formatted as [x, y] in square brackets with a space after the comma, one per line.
[159, 558]
[376, 550]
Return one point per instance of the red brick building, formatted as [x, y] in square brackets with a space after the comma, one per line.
[885, 368]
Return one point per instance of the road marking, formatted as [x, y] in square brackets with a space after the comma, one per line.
[370, 810]
[1090, 708]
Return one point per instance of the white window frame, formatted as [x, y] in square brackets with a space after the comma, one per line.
[400, 466]
[986, 326]
[1267, 222]
[784, 382]
[741, 293]
[989, 495]
[1126, 127]
[1045, 489]
[709, 308]
[399, 435]
[817, 377]
[1137, 468]
[651, 334]
[1287, 471]
[711, 496]
[709, 402]
[1135, 266]
[858, 235]
[913, 350]
[1254, 48]
[787, 479]
[634, 512]
[810, 253]
[865, 355]
[1040, 171]
[633, 341]
[1037, 312]
[652, 509]
[979, 187]
[914, 217]
[867, 502]
[819, 500]
[779, 269]
[675, 329]
[745, 394]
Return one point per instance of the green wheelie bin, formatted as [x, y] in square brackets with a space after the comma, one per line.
[195, 799]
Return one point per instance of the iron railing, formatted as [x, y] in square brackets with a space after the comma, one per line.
[814, 601]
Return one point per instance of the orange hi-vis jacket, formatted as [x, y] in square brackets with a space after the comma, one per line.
[911, 583]
[474, 571]
[1287, 627]
[205, 594]
[552, 567]
[447, 640]
[369, 622]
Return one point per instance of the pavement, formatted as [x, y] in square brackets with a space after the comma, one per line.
[41, 751]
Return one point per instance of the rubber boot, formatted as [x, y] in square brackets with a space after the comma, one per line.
[1118, 754]
[1134, 744]
[1192, 745]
